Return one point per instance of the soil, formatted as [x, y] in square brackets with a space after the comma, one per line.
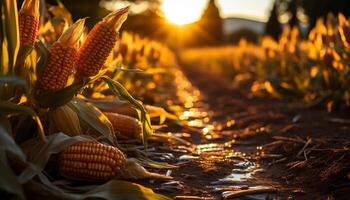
[250, 122]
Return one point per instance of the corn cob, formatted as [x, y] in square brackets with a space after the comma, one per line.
[28, 20]
[99, 43]
[61, 62]
[91, 161]
[66, 120]
[124, 109]
[125, 125]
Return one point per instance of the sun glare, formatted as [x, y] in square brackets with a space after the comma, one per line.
[183, 11]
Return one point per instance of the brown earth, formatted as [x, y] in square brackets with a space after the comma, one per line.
[302, 152]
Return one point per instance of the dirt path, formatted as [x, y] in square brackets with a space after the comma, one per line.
[228, 139]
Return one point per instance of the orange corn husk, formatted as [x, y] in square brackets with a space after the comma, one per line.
[99, 43]
[28, 21]
[91, 161]
[63, 54]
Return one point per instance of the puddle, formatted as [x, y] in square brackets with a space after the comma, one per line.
[211, 147]
[219, 165]
[172, 185]
[187, 158]
[238, 177]
[254, 192]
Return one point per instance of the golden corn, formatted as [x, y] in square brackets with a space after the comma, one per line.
[59, 67]
[28, 21]
[124, 109]
[99, 44]
[125, 125]
[63, 54]
[91, 161]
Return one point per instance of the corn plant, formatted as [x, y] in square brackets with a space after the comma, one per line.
[314, 70]
[43, 75]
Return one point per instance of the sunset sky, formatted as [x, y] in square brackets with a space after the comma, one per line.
[187, 11]
[256, 9]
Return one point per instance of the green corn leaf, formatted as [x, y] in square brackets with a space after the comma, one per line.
[2, 53]
[6, 141]
[13, 80]
[11, 86]
[94, 118]
[154, 164]
[21, 58]
[105, 104]
[116, 189]
[8, 181]
[10, 21]
[44, 57]
[9, 108]
[55, 99]
[122, 69]
[119, 90]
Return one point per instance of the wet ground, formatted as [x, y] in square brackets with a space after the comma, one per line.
[219, 165]
[229, 129]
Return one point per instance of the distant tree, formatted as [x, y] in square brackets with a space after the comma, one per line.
[212, 24]
[149, 24]
[244, 33]
[293, 10]
[315, 9]
[92, 8]
[153, 4]
[81, 9]
[273, 26]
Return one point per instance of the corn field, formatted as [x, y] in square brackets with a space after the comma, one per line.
[108, 114]
[314, 70]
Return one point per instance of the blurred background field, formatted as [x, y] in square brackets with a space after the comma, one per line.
[291, 49]
[185, 84]
[202, 23]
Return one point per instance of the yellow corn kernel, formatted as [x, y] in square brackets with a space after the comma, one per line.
[28, 21]
[99, 43]
[125, 125]
[91, 161]
[63, 54]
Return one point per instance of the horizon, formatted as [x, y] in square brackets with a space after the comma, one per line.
[256, 10]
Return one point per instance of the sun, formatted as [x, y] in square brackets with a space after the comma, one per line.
[183, 11]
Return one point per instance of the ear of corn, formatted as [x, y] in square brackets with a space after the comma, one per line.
[63, 54]
[99, 43]
[28, 20]
[125, 125]
[91, 161]
[64, 119]
[124, 109]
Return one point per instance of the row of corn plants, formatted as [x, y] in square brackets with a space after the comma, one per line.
[64, 98]
[315, 70]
